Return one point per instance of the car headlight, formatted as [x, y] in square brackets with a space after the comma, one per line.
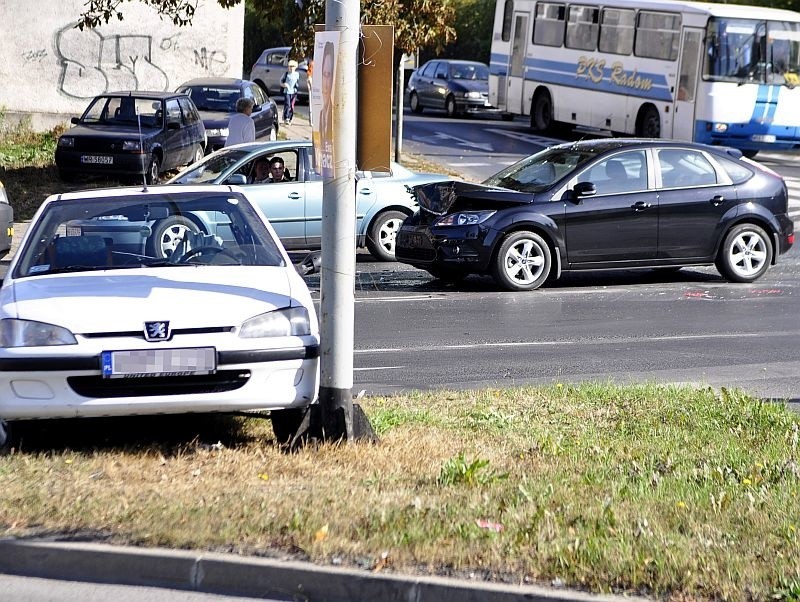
[292, 321]
[131, 145]
[464, 218]
[217, 132]
[28, 333]
[66, 141]
[472, 94]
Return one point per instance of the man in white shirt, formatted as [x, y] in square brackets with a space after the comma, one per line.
[241, 127]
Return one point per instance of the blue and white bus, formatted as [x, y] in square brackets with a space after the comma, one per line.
[715, 73]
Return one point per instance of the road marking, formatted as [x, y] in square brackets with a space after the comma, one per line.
[529, 138]
[379, 368]
[585, 342]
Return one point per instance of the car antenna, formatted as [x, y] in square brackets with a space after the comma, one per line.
[141, 147]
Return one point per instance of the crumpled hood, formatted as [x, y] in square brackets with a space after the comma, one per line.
[440, 198]
[122, 301]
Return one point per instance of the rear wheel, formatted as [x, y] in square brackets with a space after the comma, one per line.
[523, 262]
[746, 254]
[382, 234]
[649, 124]
[414, 102]
[198, 154]
[542, 113]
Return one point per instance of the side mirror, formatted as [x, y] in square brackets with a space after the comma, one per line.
[584, 189]
[237, 179]
[173, 125]
[75, 120]
[311, 264]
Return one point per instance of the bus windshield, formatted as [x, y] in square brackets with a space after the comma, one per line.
[752, 51]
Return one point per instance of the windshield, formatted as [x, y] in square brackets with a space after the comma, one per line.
[153, 230]
[540, 171]
[469, 71]
[213, 98]
[211, 168]
[124, 110]
[751, 51]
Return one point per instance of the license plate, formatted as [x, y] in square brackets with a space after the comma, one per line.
[101, 159]
[762, 138]
[415, 240]
[159, 362]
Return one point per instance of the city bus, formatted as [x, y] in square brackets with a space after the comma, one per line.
[721, 74]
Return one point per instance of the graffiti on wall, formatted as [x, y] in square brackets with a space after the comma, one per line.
[92, 64]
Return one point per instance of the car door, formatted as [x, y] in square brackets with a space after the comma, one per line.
[194, 125]
[619, 223]
[177, 147]
[284, 203]
[262, 114]
[693, 197]
[426, 83]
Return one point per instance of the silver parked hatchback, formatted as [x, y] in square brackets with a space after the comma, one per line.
[270, 67]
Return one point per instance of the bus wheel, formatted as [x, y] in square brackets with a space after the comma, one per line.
[542, 112]
[649, 124]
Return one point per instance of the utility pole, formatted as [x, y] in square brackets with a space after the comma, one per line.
[338, 262]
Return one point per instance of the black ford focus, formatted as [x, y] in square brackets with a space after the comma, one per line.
[603, 204]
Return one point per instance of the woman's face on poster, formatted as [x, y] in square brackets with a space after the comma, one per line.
[327, 75]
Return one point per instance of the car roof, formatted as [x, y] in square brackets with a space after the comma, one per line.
[600, 145]
[154, 94]
[215, 81]
[459, 62]
[125, 192]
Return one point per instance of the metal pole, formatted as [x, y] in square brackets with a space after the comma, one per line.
[398, 112]
[337, 284]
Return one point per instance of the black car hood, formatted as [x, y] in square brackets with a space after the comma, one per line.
[441, 197]
[109, 131]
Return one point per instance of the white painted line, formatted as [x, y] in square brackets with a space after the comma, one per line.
[378, 368]
[585, 342]
[468, 164]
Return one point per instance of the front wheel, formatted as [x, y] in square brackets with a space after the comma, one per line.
[523, 262]
[746, 254]
[451, 107]
[382, 234]
[273, 133]
[414, 102]
[168, 233]
[285, 423]
[153, 169]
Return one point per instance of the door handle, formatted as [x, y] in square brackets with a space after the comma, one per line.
[641, 206]
[717, 200]
[294, 195]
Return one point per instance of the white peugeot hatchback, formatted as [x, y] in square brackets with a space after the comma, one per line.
[96, 321]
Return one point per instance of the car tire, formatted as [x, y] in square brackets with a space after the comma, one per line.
[523, 262]
[414, 103]
[273, 133]
[5, 438]
[383, 233]
[542, 120]
[749, 153]
[649, 123]
[450, 106]
[198, 154]
[153, 170]
[167, 233]
[286, 422]
[746, 254]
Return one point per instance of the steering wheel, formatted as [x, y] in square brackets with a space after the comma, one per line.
[206, 249]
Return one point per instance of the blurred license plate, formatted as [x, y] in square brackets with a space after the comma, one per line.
[762, 138]
[415, 240]
[103, 159]
[159, 362]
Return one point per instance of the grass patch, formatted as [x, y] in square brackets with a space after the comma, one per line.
[672, 492]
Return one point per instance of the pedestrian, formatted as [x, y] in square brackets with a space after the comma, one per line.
[241, 127]
[290, 82]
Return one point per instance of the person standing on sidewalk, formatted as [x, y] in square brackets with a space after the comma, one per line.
[290, 82]
[241, 127]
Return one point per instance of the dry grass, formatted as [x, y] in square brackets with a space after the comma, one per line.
[676, 493]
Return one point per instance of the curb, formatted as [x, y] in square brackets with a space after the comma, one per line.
[218, 573]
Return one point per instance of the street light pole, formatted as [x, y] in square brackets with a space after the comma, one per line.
[338, 261]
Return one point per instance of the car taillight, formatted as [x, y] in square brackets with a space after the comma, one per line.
[790, 238]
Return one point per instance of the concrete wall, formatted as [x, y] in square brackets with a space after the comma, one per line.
[49, 69]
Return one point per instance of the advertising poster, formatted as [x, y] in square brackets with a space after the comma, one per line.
[326, 51]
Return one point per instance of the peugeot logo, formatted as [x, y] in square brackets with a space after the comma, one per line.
[157, 331]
